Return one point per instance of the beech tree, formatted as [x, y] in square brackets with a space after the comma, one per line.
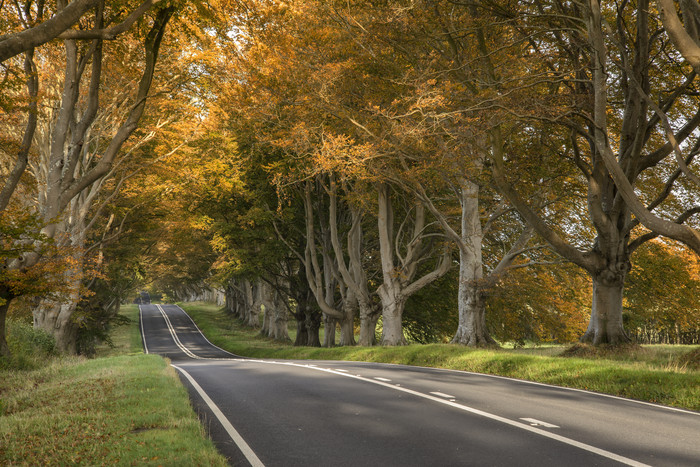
[75, 156]
[620, 58]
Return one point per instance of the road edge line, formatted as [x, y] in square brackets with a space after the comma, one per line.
[205, 337]
[235, 436]
[143, 335]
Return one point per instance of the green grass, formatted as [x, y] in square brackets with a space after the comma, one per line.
[124, 408]
[660, 374]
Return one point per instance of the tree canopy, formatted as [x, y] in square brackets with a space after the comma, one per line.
[475, 172]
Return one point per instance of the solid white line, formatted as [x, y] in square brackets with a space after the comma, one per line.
[143, 336]
[382, 379]
[174, 334]
[513, 423]
[535, 422]
[440, 394]
[200, 331]
[235, 436]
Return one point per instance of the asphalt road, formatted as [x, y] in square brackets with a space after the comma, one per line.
[328, 413]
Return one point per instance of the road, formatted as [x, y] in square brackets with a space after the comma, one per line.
[330, 413]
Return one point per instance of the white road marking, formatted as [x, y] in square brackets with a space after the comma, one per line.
[441, 394]
[452, 403]
[143, 336]
[342, 371]
[382, 379]
[610, 396]
[182, 347]
[597, 394]
[498, 418]
[202, 334]
[535, 422]
[235, 436]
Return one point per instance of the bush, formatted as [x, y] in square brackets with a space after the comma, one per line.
[29, 347]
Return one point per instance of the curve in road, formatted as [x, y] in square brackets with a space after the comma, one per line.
[344, 413]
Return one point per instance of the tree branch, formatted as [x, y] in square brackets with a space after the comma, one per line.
[15, 44]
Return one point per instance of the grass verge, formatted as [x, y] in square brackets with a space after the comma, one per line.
[124, 408]
[661, 374]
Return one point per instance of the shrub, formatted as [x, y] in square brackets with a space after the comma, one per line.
[30, 348]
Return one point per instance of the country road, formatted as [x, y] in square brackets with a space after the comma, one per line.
[331, 413]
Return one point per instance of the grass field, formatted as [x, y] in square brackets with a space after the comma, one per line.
[662, 374]
[122, 408]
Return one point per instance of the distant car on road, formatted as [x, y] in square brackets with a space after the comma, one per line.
[144, 298]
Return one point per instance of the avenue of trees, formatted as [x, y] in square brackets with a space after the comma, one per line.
[436, 170]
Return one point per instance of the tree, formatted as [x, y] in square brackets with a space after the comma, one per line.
[75, 158]
[37, 31]
[616, 144]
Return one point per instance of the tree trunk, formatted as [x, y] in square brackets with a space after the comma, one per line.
[347, 325]
[368, 325]
[252, 308]
[605, 326]
[266, 329]
[329, 330]
[278, 324]
[471, 330]
[302, 334]
[56, 319]
[313, 325]
[4, 348]
[392, 317]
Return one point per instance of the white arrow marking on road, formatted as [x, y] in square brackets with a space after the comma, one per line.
[535, 422]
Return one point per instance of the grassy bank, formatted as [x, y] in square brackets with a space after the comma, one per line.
[123, 408]
[666, 375]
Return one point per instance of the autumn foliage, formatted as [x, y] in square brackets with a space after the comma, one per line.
[433, 171]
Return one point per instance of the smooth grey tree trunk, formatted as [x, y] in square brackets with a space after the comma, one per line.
[399, 271]
[392, 319]
[605, 325]
[329, 330]
[471, 330]
[368, 325]
[56, 319]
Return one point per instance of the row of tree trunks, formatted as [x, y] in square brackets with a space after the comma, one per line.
[70, 170]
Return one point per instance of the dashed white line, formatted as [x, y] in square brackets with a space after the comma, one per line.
[379, 378]
[440, 394]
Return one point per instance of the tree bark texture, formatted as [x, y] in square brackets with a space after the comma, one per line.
[57, 320]
[606, 326]
[4, 348]
[471, 329]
